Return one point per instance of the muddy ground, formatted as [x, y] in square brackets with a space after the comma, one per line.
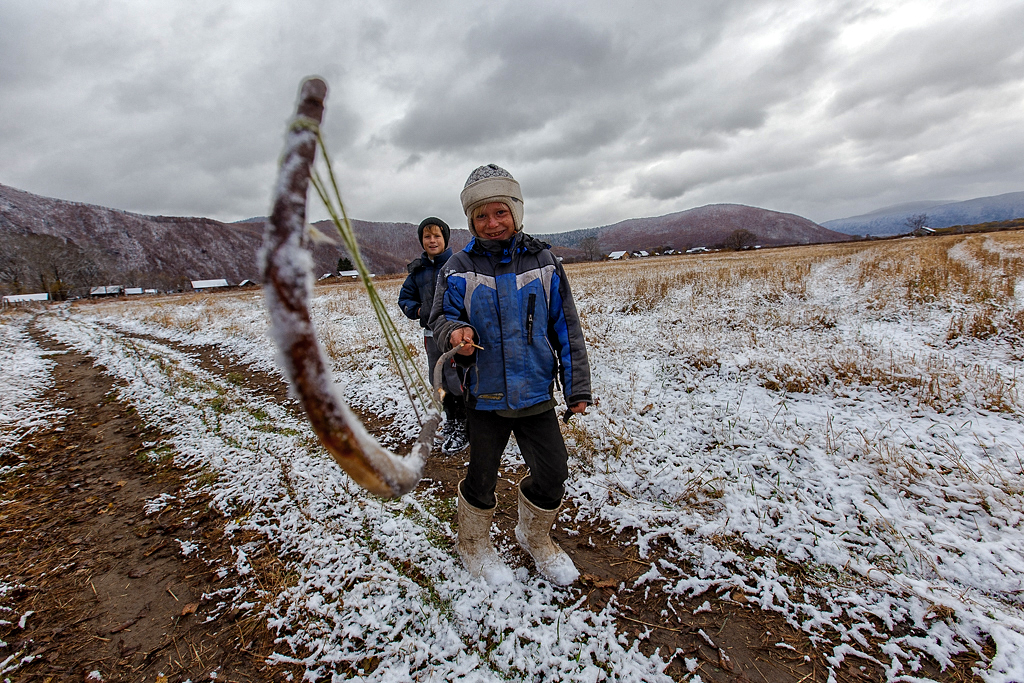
[105, 587]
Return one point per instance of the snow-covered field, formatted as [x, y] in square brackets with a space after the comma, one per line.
[835, 431]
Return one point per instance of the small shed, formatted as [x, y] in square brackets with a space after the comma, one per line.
[19, 298]
[617, 255]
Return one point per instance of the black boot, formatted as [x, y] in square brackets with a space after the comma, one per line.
[457, 438]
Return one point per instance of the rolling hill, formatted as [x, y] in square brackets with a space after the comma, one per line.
[708, 226]
[43, 239]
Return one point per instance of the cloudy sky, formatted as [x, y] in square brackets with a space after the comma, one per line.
[603, 110]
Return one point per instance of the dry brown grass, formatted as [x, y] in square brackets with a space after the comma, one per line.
[971, 268]
[642, 285]
[974, 268]
[713, 305]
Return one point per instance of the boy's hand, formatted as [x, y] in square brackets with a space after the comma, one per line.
[463, 334]
[575, 409]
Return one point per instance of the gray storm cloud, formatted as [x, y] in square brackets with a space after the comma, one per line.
[603, 110]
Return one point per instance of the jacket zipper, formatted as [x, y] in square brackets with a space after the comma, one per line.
[529, 318]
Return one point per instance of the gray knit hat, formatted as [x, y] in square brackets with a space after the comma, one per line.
[492, 183]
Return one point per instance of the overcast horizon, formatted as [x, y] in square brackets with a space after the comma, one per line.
[603, 111]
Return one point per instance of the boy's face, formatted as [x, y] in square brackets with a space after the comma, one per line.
[433, 240]
[494, 221]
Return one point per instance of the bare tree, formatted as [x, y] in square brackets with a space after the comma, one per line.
[59, 266]
[917, 221]
[591, 248]
[12, 266]
[739, 239]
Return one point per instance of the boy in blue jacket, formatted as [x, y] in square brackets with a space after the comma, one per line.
[415, 300]
[505, 302]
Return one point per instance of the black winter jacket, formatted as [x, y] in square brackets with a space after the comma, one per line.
[417, 295]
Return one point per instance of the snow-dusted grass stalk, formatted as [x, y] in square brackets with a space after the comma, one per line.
[372, 586]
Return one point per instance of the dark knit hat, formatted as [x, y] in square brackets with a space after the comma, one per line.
[446, 232]
[492, 183]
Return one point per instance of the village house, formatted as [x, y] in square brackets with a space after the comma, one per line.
[200, 285]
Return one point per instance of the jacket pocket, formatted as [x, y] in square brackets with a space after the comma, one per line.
[545, 361]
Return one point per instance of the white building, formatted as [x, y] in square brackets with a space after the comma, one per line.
[18, 298]
[208, 284]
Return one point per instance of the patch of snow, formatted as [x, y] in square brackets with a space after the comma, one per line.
[155, 505]
[187, 547]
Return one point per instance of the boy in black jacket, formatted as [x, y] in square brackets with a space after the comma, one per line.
[415, 300]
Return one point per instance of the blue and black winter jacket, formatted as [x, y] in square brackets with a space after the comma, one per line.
[516, 297]
[417, 294]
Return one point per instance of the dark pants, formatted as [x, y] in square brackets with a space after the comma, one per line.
[543, 449]
[454, 403]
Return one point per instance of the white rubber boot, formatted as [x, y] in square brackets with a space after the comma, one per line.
[474, 543]
[534, 533]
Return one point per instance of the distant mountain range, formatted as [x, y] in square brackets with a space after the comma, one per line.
[892, 220]
[50, 243]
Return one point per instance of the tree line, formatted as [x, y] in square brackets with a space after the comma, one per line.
[34, 263]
